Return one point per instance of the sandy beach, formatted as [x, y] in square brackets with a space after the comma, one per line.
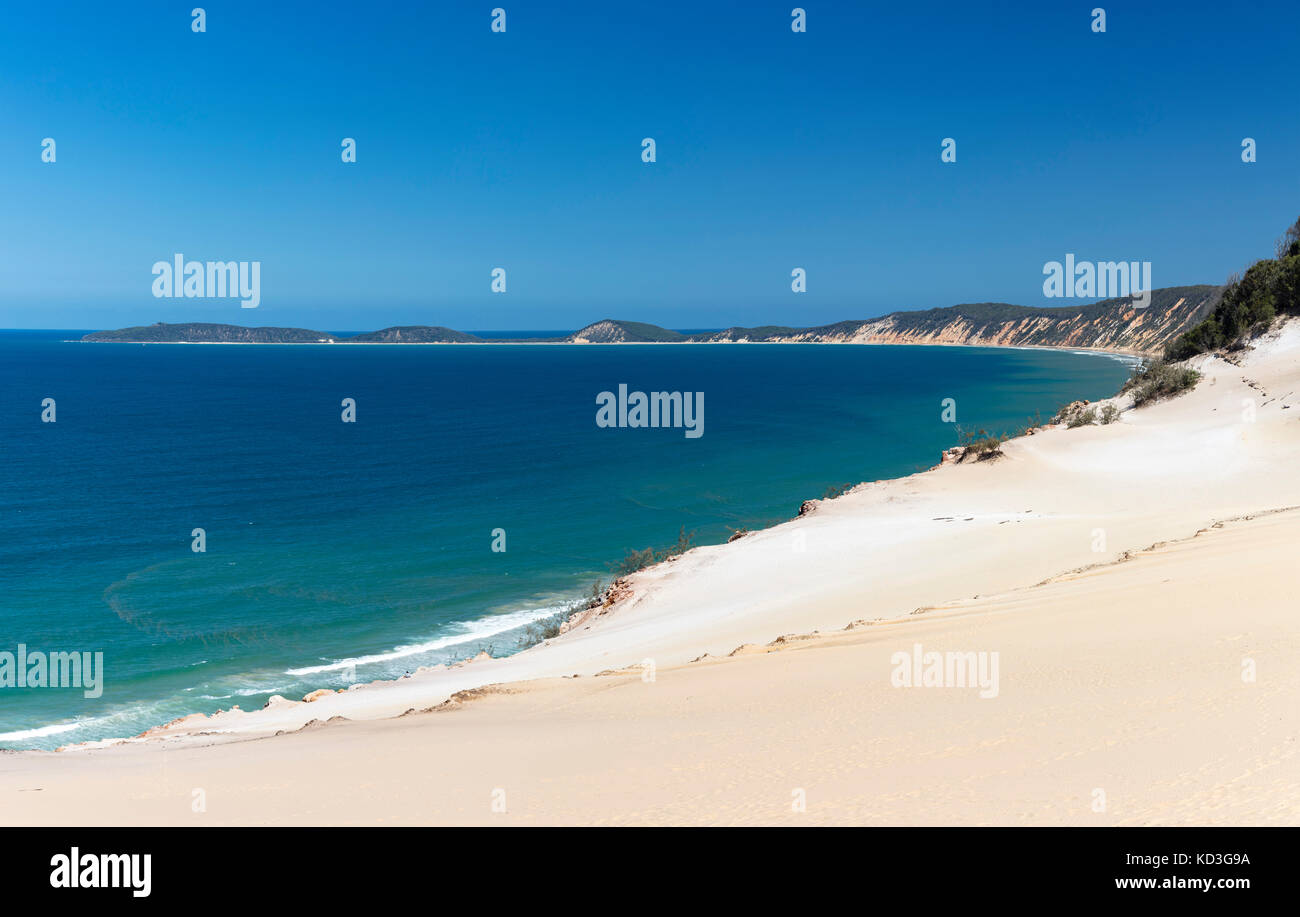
[1134, 581]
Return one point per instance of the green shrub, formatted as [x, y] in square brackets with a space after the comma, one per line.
[1082, 419]
[633, 561]
[1249, 303]
[1160, 379]
[982, 445]
[1109, 413]
[647, 557]
[539, 631]
[1289, 243]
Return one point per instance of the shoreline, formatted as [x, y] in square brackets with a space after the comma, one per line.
[577, 619]
[570, 736]
[580, 610]
[1136, 355]
[768, 659]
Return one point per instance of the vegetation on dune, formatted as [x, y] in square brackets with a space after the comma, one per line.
[1250, 302]
[540, 631]
[550, 627]
[982, 445]
[636, 560]
[1159, 379]
[1084, 418]
[1080, 414]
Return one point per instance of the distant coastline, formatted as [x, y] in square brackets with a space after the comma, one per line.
[1126, 356]
[1112, 326]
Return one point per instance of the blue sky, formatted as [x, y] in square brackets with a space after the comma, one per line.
[522, 150]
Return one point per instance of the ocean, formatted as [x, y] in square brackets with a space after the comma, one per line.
[337, 550]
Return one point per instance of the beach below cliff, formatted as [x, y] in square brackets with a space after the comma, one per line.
[1108, 607]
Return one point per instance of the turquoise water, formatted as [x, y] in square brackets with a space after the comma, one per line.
[368, 544]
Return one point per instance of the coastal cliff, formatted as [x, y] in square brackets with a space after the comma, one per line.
[1115, 325]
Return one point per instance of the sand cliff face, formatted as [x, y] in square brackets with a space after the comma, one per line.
[1116, 325]
[1132, 329]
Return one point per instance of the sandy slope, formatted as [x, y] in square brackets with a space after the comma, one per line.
[1125, 678]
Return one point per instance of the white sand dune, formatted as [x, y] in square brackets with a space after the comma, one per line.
[1120, 681]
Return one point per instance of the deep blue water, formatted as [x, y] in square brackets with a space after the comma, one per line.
[329, 542]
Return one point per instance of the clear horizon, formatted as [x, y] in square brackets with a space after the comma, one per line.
[502, 331]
